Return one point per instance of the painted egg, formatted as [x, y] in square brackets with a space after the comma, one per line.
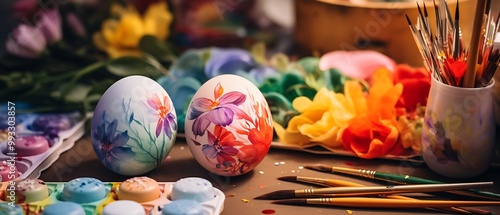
[134, 126]
[228, 125]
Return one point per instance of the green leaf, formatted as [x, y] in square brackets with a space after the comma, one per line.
[10, 62]
[143, 154]
[88, 69]
[99, 87]
[281, 108]
[271, 84]
[157, 48]
[77, 93]
[126, 66]
[334, 80]
[310, 64]
[297, 90]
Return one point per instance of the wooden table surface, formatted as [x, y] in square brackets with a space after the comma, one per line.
[81, 161]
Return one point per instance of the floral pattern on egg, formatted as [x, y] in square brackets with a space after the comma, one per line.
[134, 126]
[229, 126]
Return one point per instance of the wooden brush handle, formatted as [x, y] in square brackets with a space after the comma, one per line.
[342, 183]
[397, 203]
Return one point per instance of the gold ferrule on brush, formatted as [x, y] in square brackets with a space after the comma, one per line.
[319, 201]
[367, 173]
[320, 181]
[304, 192]
[359, 172]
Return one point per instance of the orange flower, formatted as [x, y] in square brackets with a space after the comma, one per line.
[323, 119]
[262, 134]
[364, 124]
[368, 137]
[374, 134]
[384, 95]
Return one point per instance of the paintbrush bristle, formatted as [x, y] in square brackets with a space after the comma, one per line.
[457, 13]
[425, 11]
[319, 167]
[280, 194]
[419, 10]
[291, 202]
[408, 19]
[288, 178]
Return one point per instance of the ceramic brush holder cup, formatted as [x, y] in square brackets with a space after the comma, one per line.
[458, 136]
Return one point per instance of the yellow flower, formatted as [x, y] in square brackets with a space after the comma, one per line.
[323, 119]
[410, 129]
[362, 123]
[410, 133]
[120, 37]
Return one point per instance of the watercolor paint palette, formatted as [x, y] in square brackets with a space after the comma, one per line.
[90, 196]
[27, 140]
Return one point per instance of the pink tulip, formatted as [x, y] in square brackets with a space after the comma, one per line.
[26, 41]
[356, 64]
[76, 25]
[50, 26]
[25, 8]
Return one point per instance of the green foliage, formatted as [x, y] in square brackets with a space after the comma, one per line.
[58, 84]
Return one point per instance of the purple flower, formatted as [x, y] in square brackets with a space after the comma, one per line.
[110, 148]
[50, 26]
[220, 146]
[163, 112]
[220, 111]
[228, 61]
[76, 25]
[26, 41]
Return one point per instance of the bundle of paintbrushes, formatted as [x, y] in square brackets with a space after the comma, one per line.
[401, 179]
[443, 48]
[349, 194]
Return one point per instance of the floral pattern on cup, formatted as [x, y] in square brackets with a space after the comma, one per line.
[458, 136]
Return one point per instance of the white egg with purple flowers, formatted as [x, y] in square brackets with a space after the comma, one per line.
[134, 126]
[229, 127]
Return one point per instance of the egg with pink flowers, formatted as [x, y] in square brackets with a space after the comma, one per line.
[229, 127]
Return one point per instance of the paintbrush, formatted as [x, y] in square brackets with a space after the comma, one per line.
[456, 36]
[399, 179]
[339, 183]
[364, 202]
[489, 67]
[321, 181]
[371, 190]
[474, 49]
